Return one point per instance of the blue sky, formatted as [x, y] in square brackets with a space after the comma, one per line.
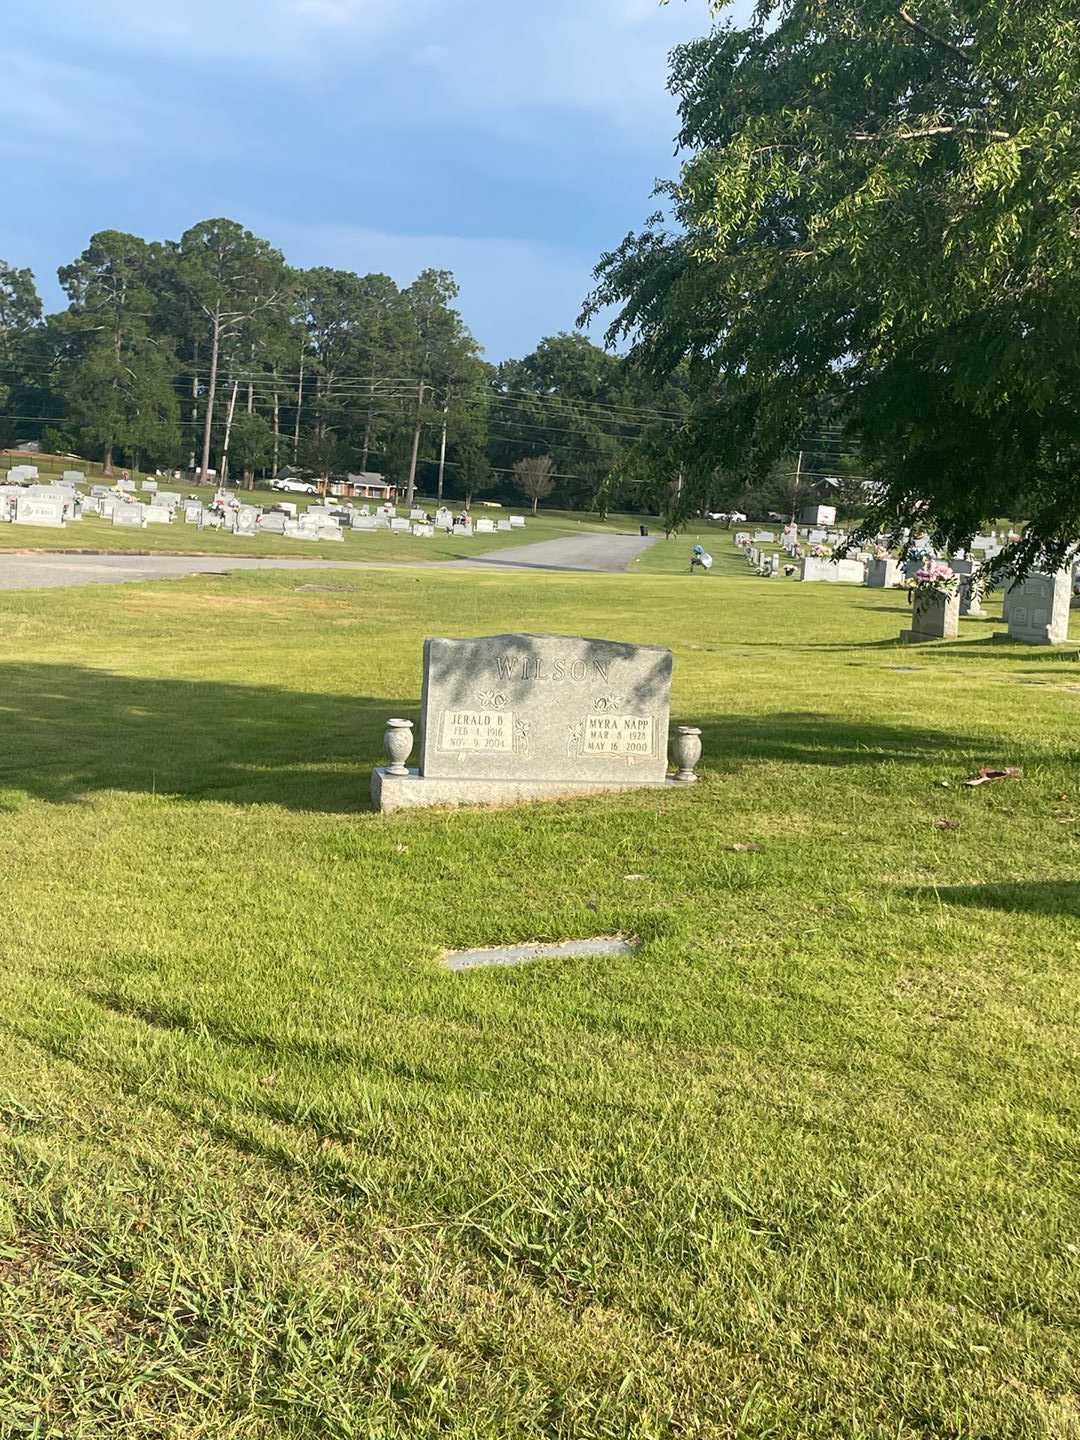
[510, 141]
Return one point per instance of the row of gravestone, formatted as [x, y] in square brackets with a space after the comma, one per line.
[1035, 610]
[54, 505]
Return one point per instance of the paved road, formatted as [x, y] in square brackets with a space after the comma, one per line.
[598, 552]
[595, 551]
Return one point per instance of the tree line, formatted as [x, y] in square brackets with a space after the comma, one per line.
[213, 354]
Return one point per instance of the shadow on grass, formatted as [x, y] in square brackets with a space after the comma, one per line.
[808, 738]
[1030, 897]
[67, 731]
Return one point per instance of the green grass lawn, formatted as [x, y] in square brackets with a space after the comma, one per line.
[805, 1166]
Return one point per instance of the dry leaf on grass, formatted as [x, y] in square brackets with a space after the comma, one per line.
[746, 849]
[946, 824]
[1012, 772]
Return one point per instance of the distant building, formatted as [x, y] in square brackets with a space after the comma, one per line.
[365, 486]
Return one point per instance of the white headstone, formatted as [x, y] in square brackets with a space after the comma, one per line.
[40, 510]
[1038, 609]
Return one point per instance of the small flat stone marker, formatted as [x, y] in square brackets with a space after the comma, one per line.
[525, 954]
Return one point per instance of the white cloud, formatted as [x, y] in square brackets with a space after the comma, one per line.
[512, 291]
[71, 116]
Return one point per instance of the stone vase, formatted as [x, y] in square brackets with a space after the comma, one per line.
[687, 752]
[398, 744]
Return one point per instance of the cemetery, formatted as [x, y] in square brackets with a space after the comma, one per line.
[540, 800]
[828, 980]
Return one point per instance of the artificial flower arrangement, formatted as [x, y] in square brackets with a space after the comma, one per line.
[822, 552]
[936, 576]
[881, 553]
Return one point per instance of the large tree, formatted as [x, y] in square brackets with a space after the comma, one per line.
[879, 210]
[20, 313]
[118, 384]
[234, 280]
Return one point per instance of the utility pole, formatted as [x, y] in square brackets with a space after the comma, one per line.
[795, 496]
[299, 408]
[442, 447]
[411, 491]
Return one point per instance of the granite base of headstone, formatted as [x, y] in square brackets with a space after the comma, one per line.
[515, 718]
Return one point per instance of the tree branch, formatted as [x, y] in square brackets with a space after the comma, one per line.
[938, 40]
[930, 130]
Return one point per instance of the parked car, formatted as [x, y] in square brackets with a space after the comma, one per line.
[294, 487]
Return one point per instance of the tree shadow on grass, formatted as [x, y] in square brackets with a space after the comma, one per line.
[1031, 897]
[807, 738]
[67, 731]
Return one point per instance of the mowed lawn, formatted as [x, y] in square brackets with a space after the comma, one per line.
[805, 1166]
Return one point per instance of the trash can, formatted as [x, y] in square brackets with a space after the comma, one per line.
[644, 529]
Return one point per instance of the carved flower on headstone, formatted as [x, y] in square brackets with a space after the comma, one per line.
[493, 699]
[609, 702]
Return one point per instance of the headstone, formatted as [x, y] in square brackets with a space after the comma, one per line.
[817, 537]
[169, 497]
[150, 487]
[517, 522]
[128, 516]
[247, 521]
[399, 524]
[107, 505]
[485, 527]
[126, 487]
[74, 477]
[1037, 609]
[883, 574]
[193, 512]
[970, 598]
[545, 708]
[330, 532]
[765, 537]
[443, 518]
[837, 572]
[272, 524]
[365, 522]
[423, 532]
[157, 514]
[100, 490]
[40, 510]
[416, 514]
[228, 520]
[504, 525]
[91, 505]
[935, 615]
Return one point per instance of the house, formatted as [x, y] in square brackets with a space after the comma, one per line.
[365, 486]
